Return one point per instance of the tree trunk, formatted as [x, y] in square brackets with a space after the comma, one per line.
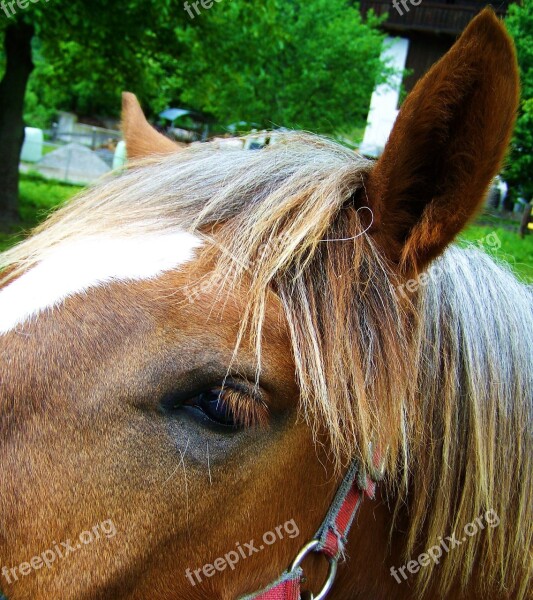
[19, 65]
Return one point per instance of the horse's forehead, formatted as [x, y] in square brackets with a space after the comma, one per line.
[75, 267]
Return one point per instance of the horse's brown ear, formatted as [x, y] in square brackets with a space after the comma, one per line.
[447, 144]
[141, 138]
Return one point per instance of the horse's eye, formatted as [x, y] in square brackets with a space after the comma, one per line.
[214, 406]
[230, 407]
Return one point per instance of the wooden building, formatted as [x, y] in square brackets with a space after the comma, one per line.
[419, 33]
[430, 26]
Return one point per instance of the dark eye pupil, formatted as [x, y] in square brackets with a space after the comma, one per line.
[213, 405]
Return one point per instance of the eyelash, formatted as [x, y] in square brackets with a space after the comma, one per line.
[248, 412]
[231, 406]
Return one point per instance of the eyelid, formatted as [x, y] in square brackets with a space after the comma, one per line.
[244, 388]
[184, 391]
[248, 410]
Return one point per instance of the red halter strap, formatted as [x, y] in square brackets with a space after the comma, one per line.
[330, 539]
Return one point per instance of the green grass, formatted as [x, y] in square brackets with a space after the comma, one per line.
[504, 245]
[38, 197]
[499, 237]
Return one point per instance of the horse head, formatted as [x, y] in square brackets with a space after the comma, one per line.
[195, 351]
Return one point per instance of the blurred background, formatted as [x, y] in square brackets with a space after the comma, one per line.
[214, 69]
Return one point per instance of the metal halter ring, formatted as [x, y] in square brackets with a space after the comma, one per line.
[307, 549]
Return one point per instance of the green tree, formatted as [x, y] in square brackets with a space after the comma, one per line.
[93, 51]
[309, 65]
[519, 172]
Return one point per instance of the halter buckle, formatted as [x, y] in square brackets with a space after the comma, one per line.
[330, 580]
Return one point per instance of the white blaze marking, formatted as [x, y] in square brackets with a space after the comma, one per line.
[77, 266]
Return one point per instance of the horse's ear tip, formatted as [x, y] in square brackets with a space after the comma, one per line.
[129, 100]
[496, 45]
[485, 18]
[488, 14]
[140, 137]
[487, 24]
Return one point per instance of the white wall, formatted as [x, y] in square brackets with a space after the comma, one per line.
[383, 112]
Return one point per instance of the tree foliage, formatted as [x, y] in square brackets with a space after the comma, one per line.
[519, 172]
[309, 65]
[87, 53]
[289, 63]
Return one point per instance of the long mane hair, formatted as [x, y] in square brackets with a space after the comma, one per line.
[442, 381]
